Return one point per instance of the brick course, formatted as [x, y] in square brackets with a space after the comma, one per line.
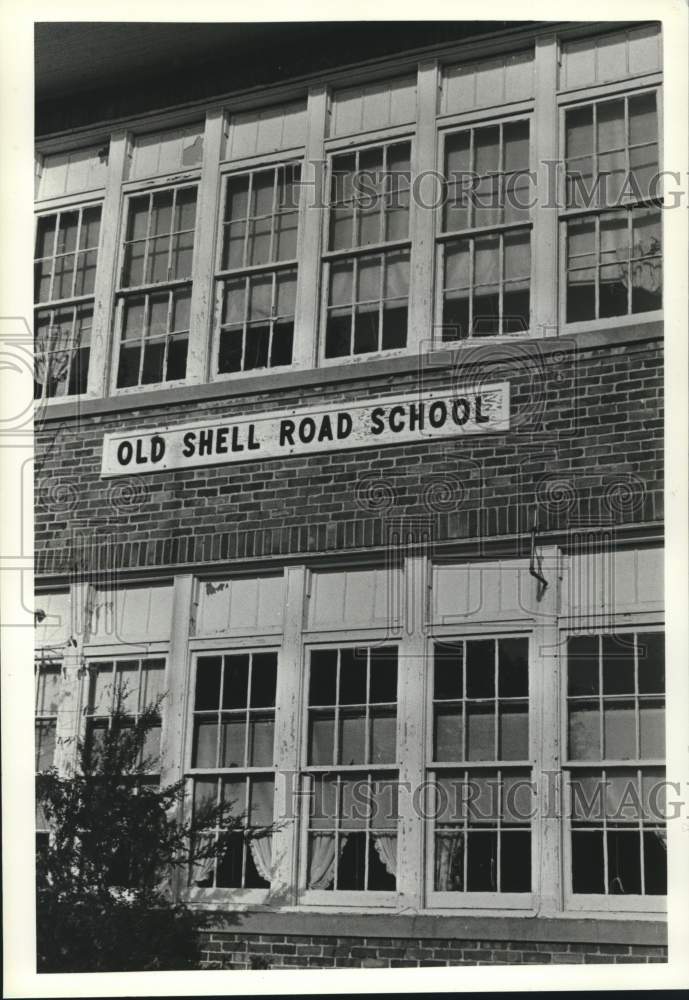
[472, 488]
[232, 950]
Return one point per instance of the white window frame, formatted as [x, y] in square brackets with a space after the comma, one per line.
[358, 143]
[364, 899]
[595, 904]
[449, 125]
[581, 98]
[130, 191]
[237, 168]
[517, 903]
[222, 646]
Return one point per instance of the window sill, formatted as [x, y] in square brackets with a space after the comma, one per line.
[596, 335]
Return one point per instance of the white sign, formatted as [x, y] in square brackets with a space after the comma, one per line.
[365, 424]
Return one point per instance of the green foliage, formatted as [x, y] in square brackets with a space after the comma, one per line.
[104, 880]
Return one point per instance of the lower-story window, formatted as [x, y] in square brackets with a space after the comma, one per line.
[233, 765]
[616, 750]
[482, 814]
[351, 781]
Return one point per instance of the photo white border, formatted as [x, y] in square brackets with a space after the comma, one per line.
[16, 538]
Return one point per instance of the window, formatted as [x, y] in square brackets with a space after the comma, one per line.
[233, 762]
[130, 685]
[482, 810]
[367, 261]
[258, 269]
[47, 691]
[154, 299]
[352, 769]
[64, 278]
[486, 272]
[613, 253]
[616, 750]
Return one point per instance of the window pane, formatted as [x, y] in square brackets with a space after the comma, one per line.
[352, 738]
[515, 861]
[232, 737]
[624, 862]
[45, 744]
[161, 213]
[384, 674]
[261, 734]
[323, 677]
[514, 731]
[584, 731]
[263, 679]
[448, 670]
[449, 732]
[610, 127]
[651, 654]
[513, 668]
[235, 681]
[582, 665]
[383, 737]
[619, 731]
[261, 801]
[322, 738]
[205, 743]
[655, 862]
[651, 729]
[618, 664]
[482, 861]
[323, 803]
[480, 668]
[579, 129]
[207, 682]
[352, 677]
[480, 722]
[587, 861]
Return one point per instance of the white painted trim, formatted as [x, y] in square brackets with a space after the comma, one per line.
[544, 147]
[422, 218]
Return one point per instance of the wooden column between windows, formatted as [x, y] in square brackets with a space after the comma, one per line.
[202, 293]
[411, 735]
[423, 208]
[545, 194]
[548, 821]
[174, 707]
[103, 346]
[74, 685]
[313, 197]
[288, 699]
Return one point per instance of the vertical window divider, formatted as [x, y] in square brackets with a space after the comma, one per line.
[544, 218]
[311, 219]
[103, 346]
[422, 217]
[288, 876]
[202, 276]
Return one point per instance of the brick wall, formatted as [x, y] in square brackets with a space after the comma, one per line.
[237, 950]
[585, 441]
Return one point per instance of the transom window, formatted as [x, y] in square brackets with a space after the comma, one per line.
[613, 254]
[486, 274]
[616, 717]
[482, 838]
[66, 256]
[367, 292]
[233, 742]
[352, 773]
[258, 269]
[155, 287]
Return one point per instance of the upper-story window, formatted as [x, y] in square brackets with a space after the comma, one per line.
[154, 297]
[47, 695]
[613, 222]
[64, 277]
[486, 271]
[368, 244]
[257, 277]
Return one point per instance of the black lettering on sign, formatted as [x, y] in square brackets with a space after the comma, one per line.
[307, 429]
[396, 425]
[221, 440]
[189, 441]
[460, 411]
[377, 422]
[344, 425]
[437, 414]
[236, 443]
[206, 442]
[325, 432]
[480, 418]
[124, 452]
[286, 432]
[140, 458]
[253, 445]
[157, 448]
